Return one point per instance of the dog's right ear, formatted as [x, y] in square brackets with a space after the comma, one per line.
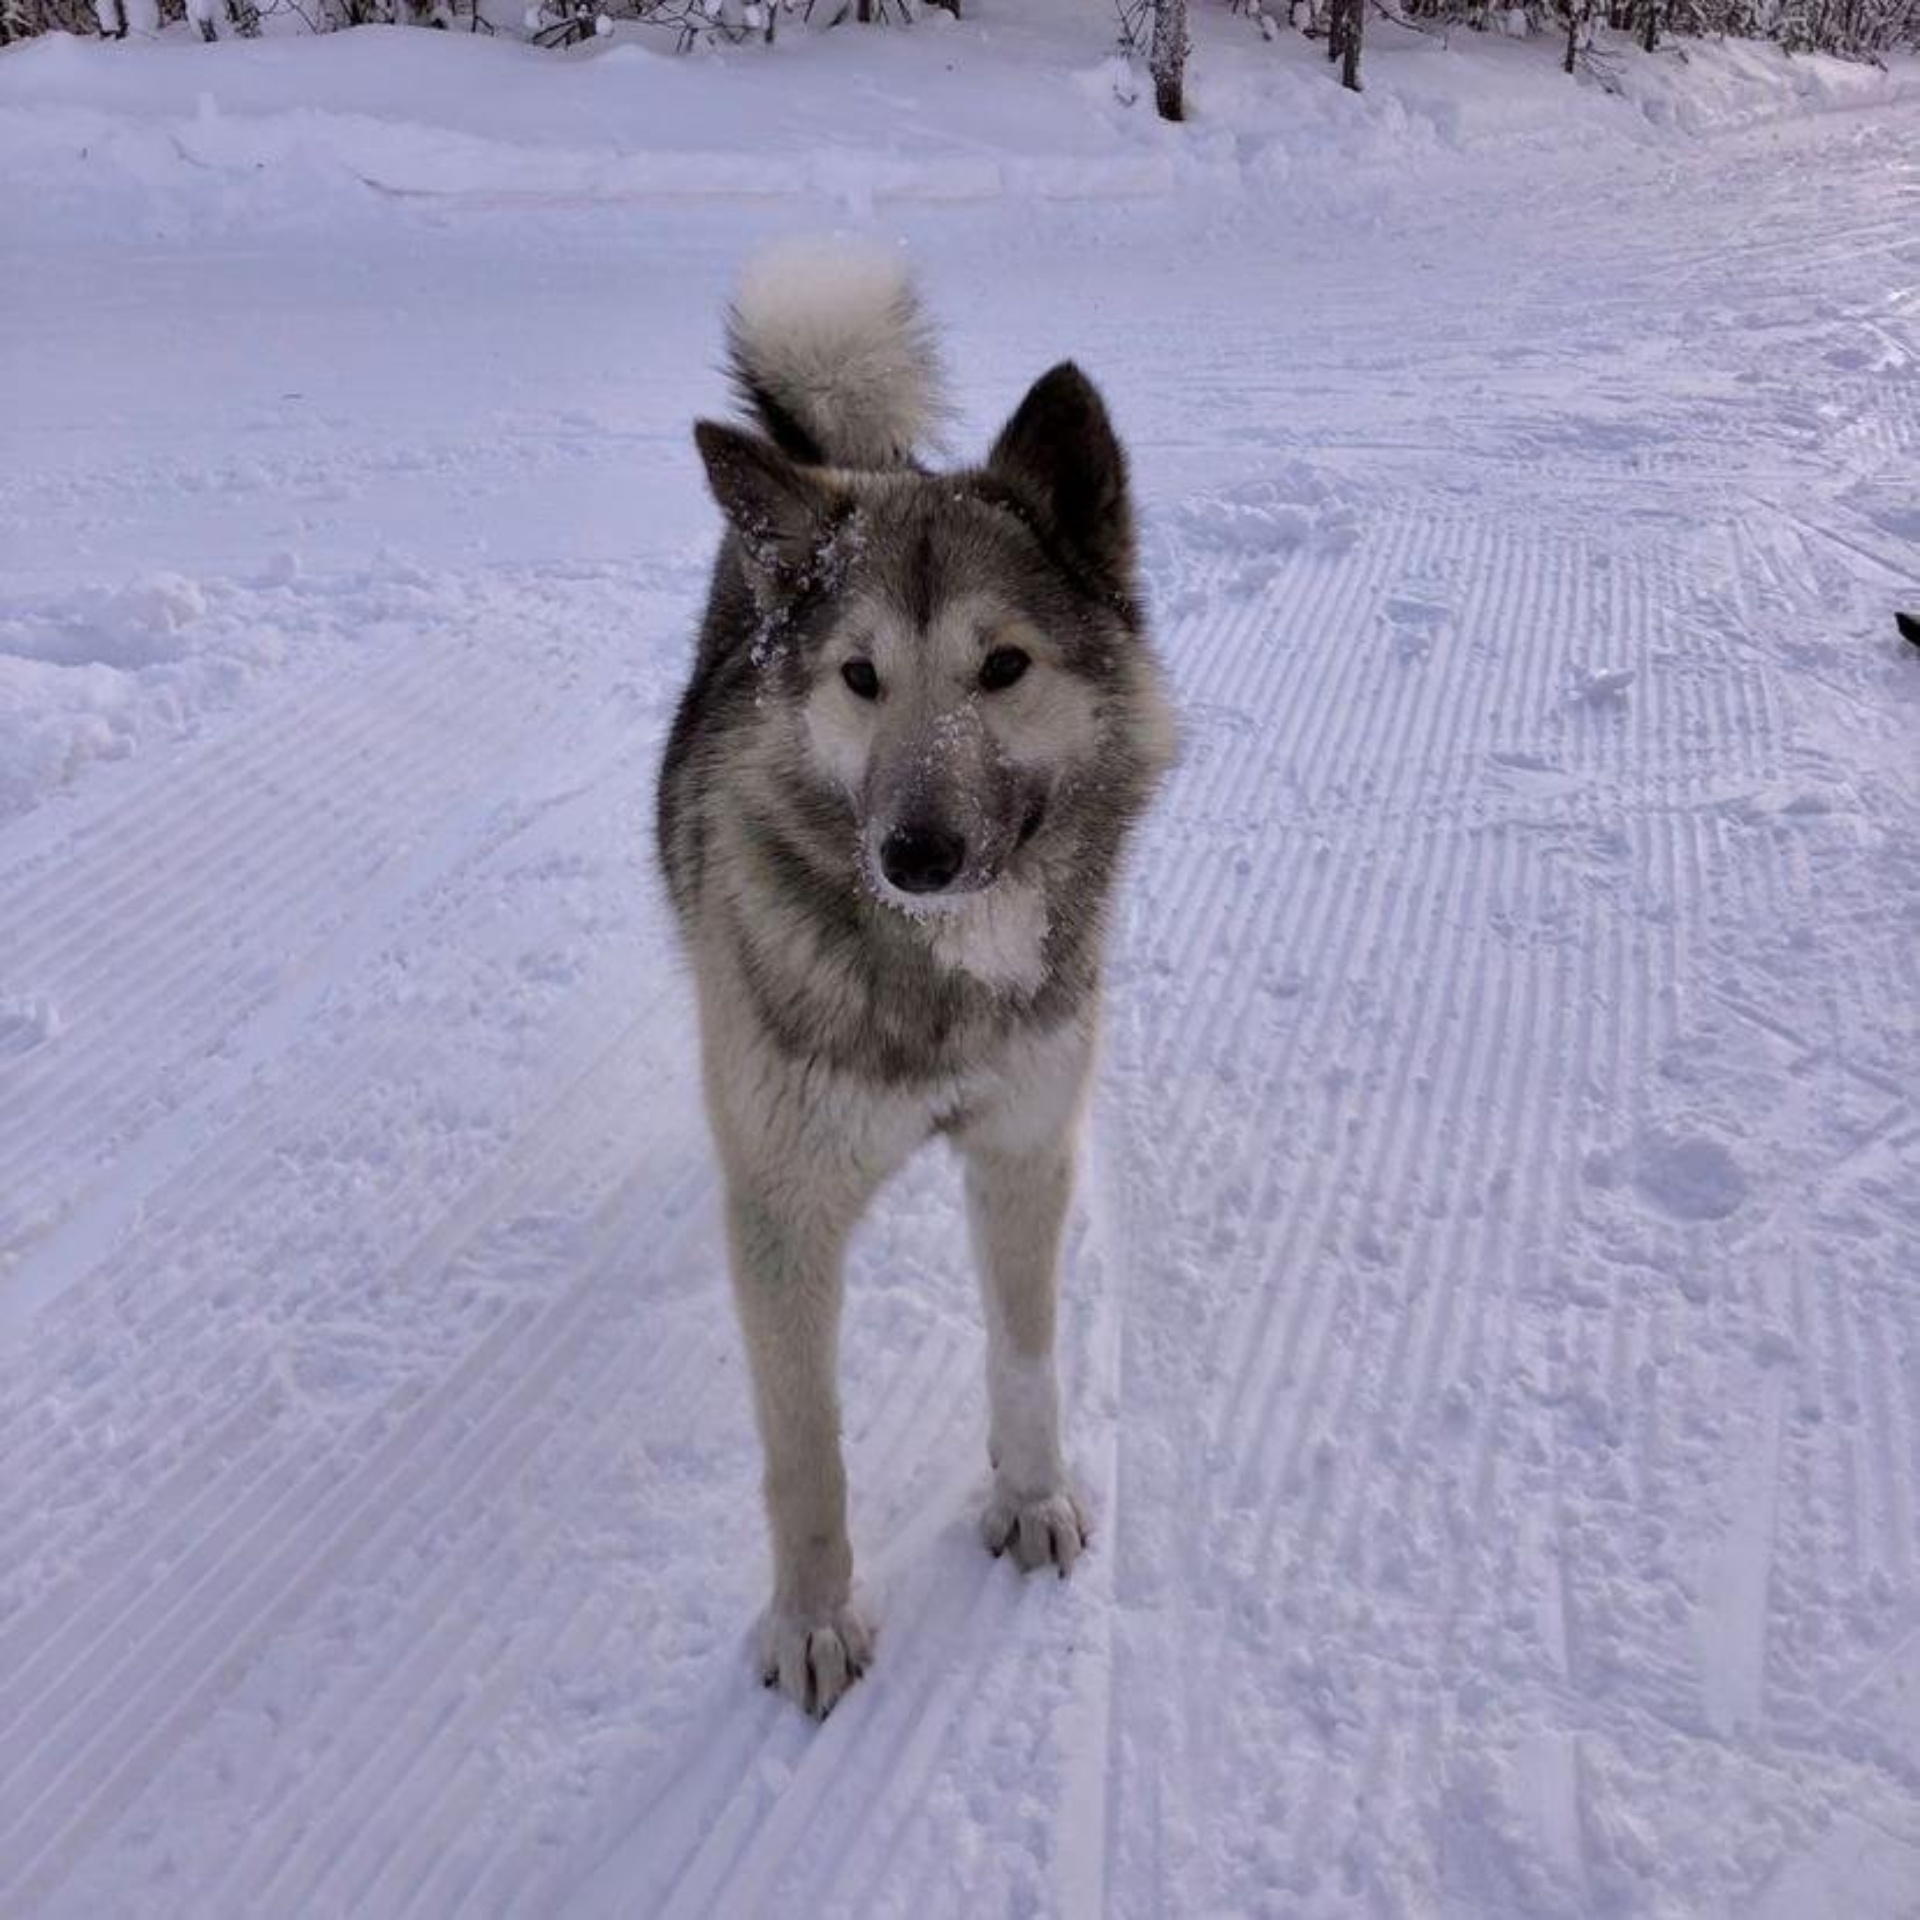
[781, 512]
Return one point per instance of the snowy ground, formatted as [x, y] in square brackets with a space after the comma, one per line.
[1495, 1335]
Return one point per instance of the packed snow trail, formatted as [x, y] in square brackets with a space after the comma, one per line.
[1494, 1342]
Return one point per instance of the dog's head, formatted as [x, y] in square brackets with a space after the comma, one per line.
[961, 655]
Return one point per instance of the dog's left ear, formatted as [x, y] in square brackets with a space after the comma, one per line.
[1061, 452]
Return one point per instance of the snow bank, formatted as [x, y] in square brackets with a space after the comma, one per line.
[445, 114]
[1707, 86]
[96, 674]
[999, 105]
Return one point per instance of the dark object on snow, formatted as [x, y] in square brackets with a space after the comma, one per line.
[1909, 625]
[1167, 61]
[1346, 22]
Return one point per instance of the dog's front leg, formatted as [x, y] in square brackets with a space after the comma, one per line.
[1017, 1207]
[787, 1252]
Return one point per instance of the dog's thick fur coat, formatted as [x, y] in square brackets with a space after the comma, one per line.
[922, 718]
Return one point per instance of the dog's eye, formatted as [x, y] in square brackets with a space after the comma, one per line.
[861, 679]
[1002, 667]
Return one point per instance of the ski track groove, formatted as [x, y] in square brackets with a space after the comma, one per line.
[1366, 910]
[943, 1711]
[1334, 680]
[951, 1711]
[437, 1698]
[458, 1883]
[228, 1435]
[1280, 1311]
[1889, 1446]
[196, 1201]
[133, 831]
[1294, 603]
[1387, 1154]
[201, 1015]
[204, 1170]
[509, 1845]
[534, 1347]
[1481, 1244]
[1207, 1014]
[398, 1877]
[1332, 1399]
[1455, 1119]
[429, 1832]
[929, 1384]
[1435, 1247]
[399, 1417]
[308, 786]
[93, 1796]
[309, 789]
[741, 1860]
[182, 1316]
[911, 1731]
[222, 1001]
[1240, 677]
[715, 1807]
[51, 1642]
[1091, 1758]
[363, 1780]
[1373, 1156]
[447, 1884]
[1854, 1504]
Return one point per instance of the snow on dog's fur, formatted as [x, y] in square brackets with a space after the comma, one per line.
[922, 718]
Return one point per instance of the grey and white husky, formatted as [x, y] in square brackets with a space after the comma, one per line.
[923, 716]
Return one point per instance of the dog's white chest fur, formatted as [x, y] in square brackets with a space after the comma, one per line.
[999, 936]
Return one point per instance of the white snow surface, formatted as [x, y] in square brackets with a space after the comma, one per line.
[1492, 1342]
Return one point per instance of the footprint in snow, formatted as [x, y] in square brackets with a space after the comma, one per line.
[1413, 624]
[1688, 1176]
[1603, 686]
[24, 1025]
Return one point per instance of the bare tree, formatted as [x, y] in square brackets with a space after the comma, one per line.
[1168, 60]
[1346, 21]
[1578, 13]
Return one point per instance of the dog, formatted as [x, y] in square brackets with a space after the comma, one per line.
[923, 716]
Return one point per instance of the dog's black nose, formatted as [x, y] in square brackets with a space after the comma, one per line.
[922, 859]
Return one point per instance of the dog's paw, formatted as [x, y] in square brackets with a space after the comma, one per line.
[1045, 1531]
[814, 1659]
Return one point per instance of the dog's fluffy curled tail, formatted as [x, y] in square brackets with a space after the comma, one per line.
[834, 356]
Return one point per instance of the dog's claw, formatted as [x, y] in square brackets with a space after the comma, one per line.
[1047, 1530]
[813, 1660]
